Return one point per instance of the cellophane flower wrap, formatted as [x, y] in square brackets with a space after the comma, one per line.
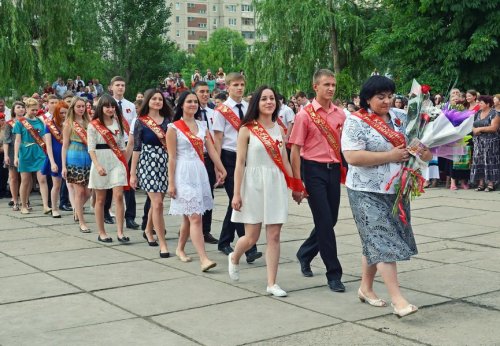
[427, 126]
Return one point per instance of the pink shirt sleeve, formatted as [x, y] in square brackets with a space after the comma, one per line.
[299, 129]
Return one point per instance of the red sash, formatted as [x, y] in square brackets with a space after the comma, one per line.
[228, 113]
[196, 142]
[157, 130]
[81, 132]
[274, 152]
[330, 136]
[10, 123]
[396, 138]
[111, 142]
[126, 126]
[280, 123]
[54, 131]
[34, 133]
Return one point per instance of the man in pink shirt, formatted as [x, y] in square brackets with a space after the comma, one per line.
[315, 138]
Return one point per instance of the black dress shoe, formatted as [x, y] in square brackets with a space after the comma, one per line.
[336, 285]
[305, 268]
[251, 257]
[150, 243]
[132, 224]
[65, 207]
[123, 239]
[104, 240]
[109, 220]
[209, 239]
[164, 254]
[226, 249]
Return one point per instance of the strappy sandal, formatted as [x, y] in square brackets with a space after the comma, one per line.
[489, 188]
[15, 207]
[480, 188]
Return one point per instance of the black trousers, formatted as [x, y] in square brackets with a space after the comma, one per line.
[4, 176]
[147, 206]
[64, 194]
[226, 237]
[207, 217]
[322, 182]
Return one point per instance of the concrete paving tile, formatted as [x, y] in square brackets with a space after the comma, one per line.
[341, 334]
[492, 205]
[139, 247]
[13, 223]
[125, 332]
[268, 318]
[420, 220]
[446, 213]
[491, 239]
[31, 286]
[451, 280]
[173, 295]
[116, 275]
[488, 219]
[346, 306]
[11, 267]
[448, 324]
[445, 245]
[491, 300]
[450, 230]
[460, 253]
[44, 245]
[77, 258]
[33, 317]
[289, 248]
[27, 233]
[490, 264]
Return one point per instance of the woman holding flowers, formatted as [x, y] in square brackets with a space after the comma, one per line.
[486, 159]
[375, 146]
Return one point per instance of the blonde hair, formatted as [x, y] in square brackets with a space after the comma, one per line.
[70, 117]
[233, 77]
[31, 102]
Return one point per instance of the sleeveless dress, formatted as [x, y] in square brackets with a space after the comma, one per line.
[264, 192]
[116, 172]
[486, 157]
[56, 152]
[31, 155]
[77, 161]
[194, 195]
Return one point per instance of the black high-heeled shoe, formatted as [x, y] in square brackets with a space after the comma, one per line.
[150, 243]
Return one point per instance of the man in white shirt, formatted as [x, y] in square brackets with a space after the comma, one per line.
[286, 115]
[302, 99]
[79, 80]
[207, 115]
[225, 143]
[117, 86]
[61, 88]
[52, 101]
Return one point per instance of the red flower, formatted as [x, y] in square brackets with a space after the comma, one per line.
[397, 122]
[425, 88]
[426, 117]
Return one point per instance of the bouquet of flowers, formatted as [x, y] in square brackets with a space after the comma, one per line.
[427, 126]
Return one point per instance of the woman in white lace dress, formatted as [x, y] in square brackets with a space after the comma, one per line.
[188, 184]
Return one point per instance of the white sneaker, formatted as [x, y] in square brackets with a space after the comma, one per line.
[276, 291]
[233, 269]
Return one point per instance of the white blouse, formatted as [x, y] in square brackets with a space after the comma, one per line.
[358, 135]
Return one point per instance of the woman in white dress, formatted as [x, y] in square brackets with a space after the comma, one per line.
[260, 189]
[188, 184]
[107, 171]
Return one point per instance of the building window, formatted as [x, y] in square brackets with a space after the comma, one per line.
[247, 21]
[202, 11]
[177, 6]
[191, 33]
[231, 8]
[190, 19]
[214, 8]
[232, 21]
[248, 34]
[177, 19]
[191, 46]
[215, 21]
[246, 8]
[202, 25]
[177, 33]
[190, 5]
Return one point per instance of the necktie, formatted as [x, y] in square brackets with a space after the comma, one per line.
[120, 105]
[204, 117]
[240, 111]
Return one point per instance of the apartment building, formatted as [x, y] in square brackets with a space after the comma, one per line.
[192, 20]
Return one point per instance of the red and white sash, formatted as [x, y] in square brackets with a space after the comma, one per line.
[230, 116]
[330, 135]
[111, 142]
[195, 141]
[80, 131]
[54, 131]
[10, 123]
[396, 138]
[280, 123]
[274, 152]
[157, 130]
[34, 133]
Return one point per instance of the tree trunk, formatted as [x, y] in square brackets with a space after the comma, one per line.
[335, 51]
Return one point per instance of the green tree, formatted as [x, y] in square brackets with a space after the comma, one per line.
[301, 36]
[436, 42]
[225, 48]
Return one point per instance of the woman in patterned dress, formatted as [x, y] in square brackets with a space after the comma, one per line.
[76, 160]
[373, 161]
[149, 162]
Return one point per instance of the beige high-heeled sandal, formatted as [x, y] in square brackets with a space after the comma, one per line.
[407, 310]
[373, 302]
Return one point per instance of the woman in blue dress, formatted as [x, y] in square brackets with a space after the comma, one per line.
[53, 163]
[29, 156]
[75, 158]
